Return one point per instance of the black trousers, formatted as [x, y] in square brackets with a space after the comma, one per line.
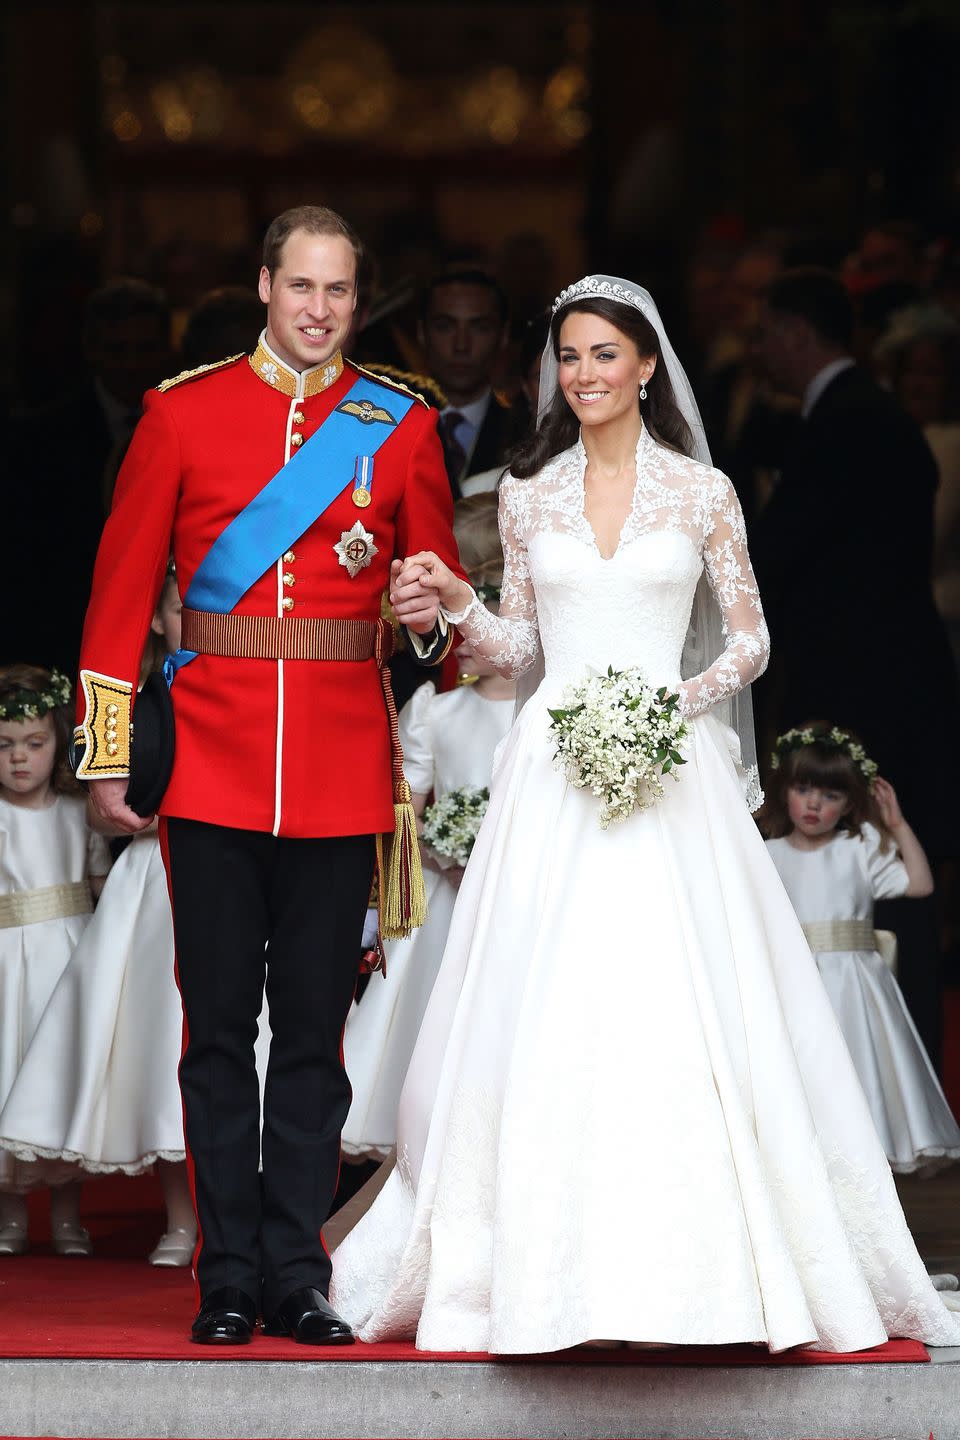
[249, 910]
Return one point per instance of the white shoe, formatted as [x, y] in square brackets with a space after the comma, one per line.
[14, 1239]
[175, 1248]
[69, 1238]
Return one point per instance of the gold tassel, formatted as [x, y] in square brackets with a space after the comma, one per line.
[403, 900]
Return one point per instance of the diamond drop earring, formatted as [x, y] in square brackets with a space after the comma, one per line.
[643, 390]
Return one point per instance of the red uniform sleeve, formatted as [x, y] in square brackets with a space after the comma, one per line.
[425, 522]
[127, 578]
[425, 517]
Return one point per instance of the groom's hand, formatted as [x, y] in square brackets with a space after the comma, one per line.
[424, 575]
[415, 605]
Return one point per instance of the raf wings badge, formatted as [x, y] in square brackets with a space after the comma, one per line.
[355, 549]
[366, 412]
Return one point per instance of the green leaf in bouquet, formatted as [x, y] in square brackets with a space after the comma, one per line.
[666, 766]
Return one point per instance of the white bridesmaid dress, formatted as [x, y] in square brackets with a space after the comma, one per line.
[38, 848]
[448, 742]
[630, 1113]
[98, 1085]
[840, 881]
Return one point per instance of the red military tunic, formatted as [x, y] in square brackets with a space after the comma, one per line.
[293, 747]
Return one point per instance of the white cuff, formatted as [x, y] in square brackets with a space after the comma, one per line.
[455, 618]
[423, 644]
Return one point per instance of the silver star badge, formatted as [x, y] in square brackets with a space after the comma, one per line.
[356, 549]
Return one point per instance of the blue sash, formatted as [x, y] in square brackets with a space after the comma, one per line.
[289, 504]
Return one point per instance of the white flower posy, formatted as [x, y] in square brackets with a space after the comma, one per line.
[617, 737]
[451, 824]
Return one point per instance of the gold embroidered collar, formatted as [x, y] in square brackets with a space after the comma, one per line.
[298, 384]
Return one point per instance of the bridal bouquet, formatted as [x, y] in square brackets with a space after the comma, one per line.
[617, 737]
[450, 824]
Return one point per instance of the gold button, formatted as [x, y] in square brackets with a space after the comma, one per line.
[289, 579]
[298, 417]
[113, 709]
[289, 558]
[296, 439]
[113, 749]
[288, 602]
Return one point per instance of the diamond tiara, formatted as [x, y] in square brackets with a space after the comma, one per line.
[593, 287]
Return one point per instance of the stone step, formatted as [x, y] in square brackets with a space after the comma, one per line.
[373, 1400]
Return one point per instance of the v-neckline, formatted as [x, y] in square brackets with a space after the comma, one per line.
[595, 543]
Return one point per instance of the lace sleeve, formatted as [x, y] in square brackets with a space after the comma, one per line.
[730, 574]
[509, 640]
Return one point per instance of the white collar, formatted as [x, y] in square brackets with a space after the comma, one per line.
[475, 413]
[821, 380]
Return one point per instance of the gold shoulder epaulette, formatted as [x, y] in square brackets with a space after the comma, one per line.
[200, 370]
[386, 378]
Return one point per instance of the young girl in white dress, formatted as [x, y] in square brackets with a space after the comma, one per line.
[52, 866]
[98, 1086]
[839, 841]
[643, 991]
[448, 742]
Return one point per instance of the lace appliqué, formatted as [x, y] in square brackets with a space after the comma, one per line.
[672, 495]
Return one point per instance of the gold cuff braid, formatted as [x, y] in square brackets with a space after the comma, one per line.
[104, 733]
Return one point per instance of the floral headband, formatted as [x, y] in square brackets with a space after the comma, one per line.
[25, 704]
[832, 739]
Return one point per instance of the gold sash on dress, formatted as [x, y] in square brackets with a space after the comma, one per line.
[49, 902]
[840, 935]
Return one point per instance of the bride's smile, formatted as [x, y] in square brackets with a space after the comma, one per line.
[600, 369]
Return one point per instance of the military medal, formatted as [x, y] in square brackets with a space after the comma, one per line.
[355, 549]
[363, 481]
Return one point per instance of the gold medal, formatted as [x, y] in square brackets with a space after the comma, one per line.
[363, 481]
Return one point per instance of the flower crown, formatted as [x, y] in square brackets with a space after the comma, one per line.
[593, 286]
[832, 739]
[25, 704]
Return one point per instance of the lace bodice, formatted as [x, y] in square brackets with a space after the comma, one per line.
[634, 607]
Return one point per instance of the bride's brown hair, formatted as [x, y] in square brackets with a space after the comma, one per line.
[560, 426]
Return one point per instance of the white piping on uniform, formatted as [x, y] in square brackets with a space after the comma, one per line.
[278, 764]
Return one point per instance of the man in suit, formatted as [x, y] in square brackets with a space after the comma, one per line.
[843, 555]
[284, 481]
[72, 450]
[464, 331]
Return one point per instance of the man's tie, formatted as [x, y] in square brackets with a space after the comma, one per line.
[453, 452]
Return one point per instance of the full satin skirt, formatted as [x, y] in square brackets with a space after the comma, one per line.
[382, 1029]
[910, 1111]
[98, 1085]
[630, 1112]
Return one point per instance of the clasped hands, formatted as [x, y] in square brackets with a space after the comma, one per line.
[419, 585]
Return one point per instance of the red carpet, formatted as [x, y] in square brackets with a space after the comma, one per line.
[116, 1306]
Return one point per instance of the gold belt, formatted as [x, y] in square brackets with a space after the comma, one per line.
[840, 935]
[49, 902]
[277, 637]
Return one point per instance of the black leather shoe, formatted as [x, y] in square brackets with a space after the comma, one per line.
[226, 1317]
[309, 1318]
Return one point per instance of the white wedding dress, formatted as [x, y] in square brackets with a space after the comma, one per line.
[630, 1113]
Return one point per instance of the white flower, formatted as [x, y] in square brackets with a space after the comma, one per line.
[451, 824]
[270, 371]
[617, 737]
